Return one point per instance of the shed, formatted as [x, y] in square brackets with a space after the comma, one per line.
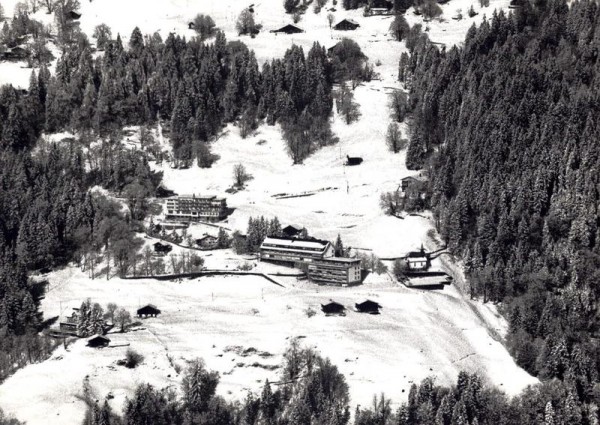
[333, 308]
[289, 29]
[353, 160]
[148, 310]
[346, 25]
[162, 248]
[191, 25]
[368, 306]
[291, 230]
[98, 341]
[72, 15]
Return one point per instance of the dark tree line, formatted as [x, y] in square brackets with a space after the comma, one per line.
[196, 87]
[508, 125]
[311, 391]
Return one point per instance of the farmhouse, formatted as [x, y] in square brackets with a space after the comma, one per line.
[70, 325]
[196, 208]
[207, 242]
[291, 230]
[148, 311]
[289, 29]
[417, 260]
[288, 250]
[346, 25]
[334, 270]
[98, 341]
[16, 53]
[368, 306]
[162, 248]
[333, 308]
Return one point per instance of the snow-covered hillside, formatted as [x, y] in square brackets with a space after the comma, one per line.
[418, 334]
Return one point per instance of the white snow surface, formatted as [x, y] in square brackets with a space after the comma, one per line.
[418, 334]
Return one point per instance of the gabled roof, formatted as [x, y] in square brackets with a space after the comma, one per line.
[332, 305]
[289, 28]
[350, 21]
[98, 337]
[368, 303]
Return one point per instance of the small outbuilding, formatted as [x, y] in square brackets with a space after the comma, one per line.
[289, 29]
[72, 15]
[191, 25]
[368, 306]
[148, 311]
[333, 308]
[98, 341]
[162, 248]
[356, 160]
[346, 25]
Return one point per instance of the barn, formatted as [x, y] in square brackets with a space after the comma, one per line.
[148, 310]
[333, 308]
[289, 29]
[162, 248]
[368, 306]
[98, 341]
[353, 160]
[346, 25]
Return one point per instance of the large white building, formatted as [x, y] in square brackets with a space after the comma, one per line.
[323, 267]
[294, 250]
[196, 208]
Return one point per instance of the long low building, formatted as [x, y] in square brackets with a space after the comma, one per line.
[340, 271]
[323, 267]
[196, 208]
[294, 250]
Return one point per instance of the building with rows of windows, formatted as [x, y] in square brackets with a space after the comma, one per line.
[196, 208]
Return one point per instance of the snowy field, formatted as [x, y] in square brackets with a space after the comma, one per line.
[418, 334]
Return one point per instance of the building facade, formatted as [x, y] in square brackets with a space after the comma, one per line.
[196, 208]
[294, 250]
[335, 270]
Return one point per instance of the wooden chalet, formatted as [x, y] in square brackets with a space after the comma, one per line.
[333, 308]
[288, 29]
[162, 248]
[381, 5]
[368, 306]
[356, 160]
[15, 53]
[70, 325]
[98, 341]
[291, 230]
[208, 242]
[418, 260]
[346, 25]
[148, 311]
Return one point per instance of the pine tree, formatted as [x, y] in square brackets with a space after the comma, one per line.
[339, 247]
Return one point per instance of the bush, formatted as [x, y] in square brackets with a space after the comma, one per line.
[400, 270]
[310, 312]
[431, 9]
[133, 359]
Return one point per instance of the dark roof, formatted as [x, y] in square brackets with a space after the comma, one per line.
[381, 4]
[346, 23]
[73, 15]
[148, 309]
[98, 340]
[332, 307]
[368, 305]
[289, 29]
